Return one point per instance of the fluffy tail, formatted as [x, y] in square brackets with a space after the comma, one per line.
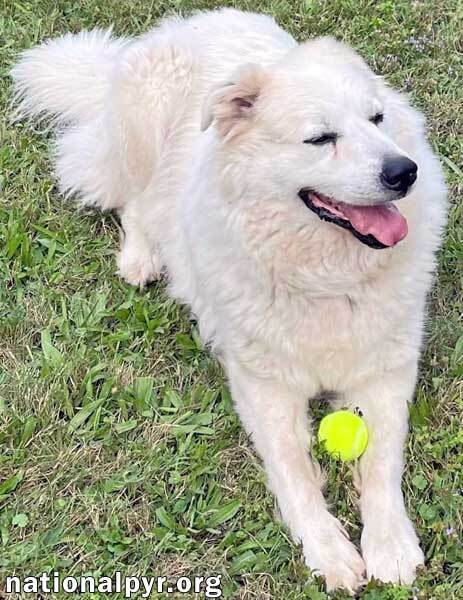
[66, 78]
[116, 103]
[69, 80]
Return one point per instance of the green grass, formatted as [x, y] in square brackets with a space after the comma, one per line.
[119, 446]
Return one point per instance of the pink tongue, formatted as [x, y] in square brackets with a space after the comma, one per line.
[383, 222]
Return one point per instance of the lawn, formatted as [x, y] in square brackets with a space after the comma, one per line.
[119, 446]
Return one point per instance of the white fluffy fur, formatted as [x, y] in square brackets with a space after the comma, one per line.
[292, 305]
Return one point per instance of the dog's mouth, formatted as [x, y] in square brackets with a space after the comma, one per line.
[379, 226]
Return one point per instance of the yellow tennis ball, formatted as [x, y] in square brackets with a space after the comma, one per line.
[344, 433]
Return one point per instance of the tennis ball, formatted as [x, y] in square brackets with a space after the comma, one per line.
[344, 433]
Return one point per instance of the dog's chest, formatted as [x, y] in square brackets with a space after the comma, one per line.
[329, 341]
[322, 326]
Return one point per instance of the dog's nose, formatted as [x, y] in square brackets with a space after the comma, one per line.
[399, 173]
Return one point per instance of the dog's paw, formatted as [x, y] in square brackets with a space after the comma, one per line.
[138, 267]
[330, 553]
[391, 550]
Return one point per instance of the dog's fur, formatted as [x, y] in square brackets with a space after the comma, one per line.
[201, 154]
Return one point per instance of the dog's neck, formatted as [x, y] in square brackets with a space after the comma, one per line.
[315, 258]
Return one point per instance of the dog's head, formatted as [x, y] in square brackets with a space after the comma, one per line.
[321, 129]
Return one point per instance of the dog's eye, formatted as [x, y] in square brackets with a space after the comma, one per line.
[377, 119]
[326, 138]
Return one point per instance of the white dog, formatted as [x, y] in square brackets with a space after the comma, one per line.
[262, 176]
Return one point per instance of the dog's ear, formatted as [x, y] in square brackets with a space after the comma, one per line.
[232, 105]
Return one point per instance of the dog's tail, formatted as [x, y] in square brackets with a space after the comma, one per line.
[68, 81]
[65, 78]
[115, 102]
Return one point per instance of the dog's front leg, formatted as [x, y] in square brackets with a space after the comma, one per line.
[276, 419]
[389, 543]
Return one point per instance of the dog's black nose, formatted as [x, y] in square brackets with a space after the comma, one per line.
[399, 173]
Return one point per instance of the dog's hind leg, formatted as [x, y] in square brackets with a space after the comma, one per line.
[139, 260]
[151, 84]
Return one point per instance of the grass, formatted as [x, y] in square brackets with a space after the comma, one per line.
[119, 446]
